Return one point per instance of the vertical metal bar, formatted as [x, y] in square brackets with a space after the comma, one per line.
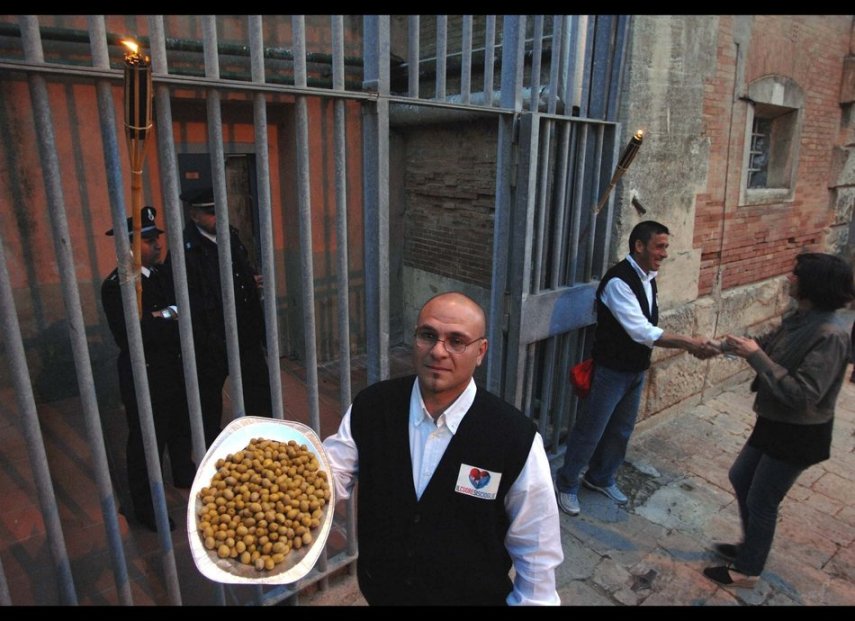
[305, 210]
[441, 51]
[370, 199]
[383, 191]
[340, 129]
[529, 361]
[511, 98]
[31, 40]
[563, 71]
[106, 113]
[489, 58]
[578, 181]
[376, 197]
[585, 47]
[224, 247]
[265, 216]
[617, 57]
[603, 262]
[592, 230]
[559, 228]
[558, 52]
[466, 65]
[520, 250]
[32, 433]
[573, 69]
[304, 200]
[547, 381]
[579, 53]
[413, 56]
[298, 28]
[171, 190]
[542, 210]
[601, 68]
[536, 53]
[130, 309]
[562, 405]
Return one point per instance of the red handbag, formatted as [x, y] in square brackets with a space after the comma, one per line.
[580, 377]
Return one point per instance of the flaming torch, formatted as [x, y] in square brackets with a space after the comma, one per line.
[626, 158]
[138, 98]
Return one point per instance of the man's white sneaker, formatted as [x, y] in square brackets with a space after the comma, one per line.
[612, 491]
[569, 503]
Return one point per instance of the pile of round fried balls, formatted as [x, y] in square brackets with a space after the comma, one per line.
[263, 502]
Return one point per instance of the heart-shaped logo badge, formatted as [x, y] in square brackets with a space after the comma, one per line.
[479, 478]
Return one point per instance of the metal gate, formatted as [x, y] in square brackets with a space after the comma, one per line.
[550, 82]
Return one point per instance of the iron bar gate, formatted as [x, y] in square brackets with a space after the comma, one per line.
[556, 142]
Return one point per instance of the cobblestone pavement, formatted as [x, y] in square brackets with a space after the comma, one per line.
[652, 551]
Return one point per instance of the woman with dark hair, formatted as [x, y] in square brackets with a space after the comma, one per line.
[800, 367]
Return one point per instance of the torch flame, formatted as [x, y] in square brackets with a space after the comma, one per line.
[639, 134]
[131, 45]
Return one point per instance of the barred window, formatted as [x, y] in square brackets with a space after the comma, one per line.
[771, 142]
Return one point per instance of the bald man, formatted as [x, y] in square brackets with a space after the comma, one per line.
[454, 484]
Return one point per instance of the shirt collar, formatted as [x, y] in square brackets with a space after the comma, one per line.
[645, 277]
[213, 238]
[145, 271]
[453, 414]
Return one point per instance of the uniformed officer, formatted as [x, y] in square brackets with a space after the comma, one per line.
[206, 304]
[162, 349]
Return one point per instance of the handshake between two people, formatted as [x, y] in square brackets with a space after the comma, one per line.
[731, 345]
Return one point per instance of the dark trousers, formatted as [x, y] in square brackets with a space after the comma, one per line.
[760, 483]
[256, 390]
[172, 431]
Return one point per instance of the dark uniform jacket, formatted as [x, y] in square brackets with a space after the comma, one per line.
[160, 336]
[203, 282]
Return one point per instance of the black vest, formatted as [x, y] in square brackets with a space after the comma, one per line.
[446, 548]
[613, 347]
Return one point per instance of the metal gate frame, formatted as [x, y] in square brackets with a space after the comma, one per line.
[541, 293]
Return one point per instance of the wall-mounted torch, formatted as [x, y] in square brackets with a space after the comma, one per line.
[138, 104]
[626, 158]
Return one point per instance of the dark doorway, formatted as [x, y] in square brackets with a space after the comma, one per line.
[195, 172]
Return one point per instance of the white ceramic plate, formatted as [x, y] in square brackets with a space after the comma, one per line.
[235, 437]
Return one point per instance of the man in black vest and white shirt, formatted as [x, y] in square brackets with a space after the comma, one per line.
[454, 484]
[626, 332]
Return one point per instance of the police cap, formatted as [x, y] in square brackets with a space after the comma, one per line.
[147, 228]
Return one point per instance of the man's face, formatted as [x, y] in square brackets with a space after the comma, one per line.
[444, 375]
[150, 250]
[205, 218]
[649, 257]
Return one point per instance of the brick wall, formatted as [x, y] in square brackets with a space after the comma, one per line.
[449, 185]
[760, 242]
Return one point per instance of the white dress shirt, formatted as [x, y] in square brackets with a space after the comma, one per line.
[534, 537]
[621, 301]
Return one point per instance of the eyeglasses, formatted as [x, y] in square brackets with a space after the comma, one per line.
[453, 344]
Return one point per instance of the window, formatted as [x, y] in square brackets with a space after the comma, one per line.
[758, 158]
[771, 143]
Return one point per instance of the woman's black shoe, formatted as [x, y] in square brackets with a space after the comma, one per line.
[729, 577]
